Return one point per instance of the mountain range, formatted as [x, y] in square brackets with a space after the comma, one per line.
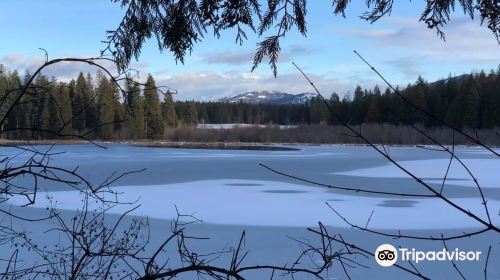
[267, 97]
[277, 97]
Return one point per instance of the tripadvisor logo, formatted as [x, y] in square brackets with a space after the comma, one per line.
[386, 255]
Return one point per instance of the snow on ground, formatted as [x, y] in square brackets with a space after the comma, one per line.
[433, 171]
[268, 203]
[476, 150]
[239, 125]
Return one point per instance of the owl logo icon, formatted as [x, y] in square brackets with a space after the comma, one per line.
[386, 255]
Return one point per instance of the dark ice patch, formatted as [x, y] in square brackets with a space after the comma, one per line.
[398, 203]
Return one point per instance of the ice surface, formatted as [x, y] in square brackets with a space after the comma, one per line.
[232, 193]
[268, 203]
[433, 171]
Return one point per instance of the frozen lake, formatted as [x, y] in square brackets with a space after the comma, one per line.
[230, 192]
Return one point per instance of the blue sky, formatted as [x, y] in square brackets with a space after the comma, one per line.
[399, 46]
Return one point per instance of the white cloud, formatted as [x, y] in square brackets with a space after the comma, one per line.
[377, 33]
[404, 48]
[208, 85]
[229, 57]
[410, 66]
[213, 85]
[199, 85]
[464, 39]
[246, 57]
[64, 70]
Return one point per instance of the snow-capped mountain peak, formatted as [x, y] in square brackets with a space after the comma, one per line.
[273, 97]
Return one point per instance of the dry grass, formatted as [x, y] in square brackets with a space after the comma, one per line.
[323, 134]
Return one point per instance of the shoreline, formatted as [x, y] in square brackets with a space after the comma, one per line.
[162, 144]
[207, 145]
[217, 145]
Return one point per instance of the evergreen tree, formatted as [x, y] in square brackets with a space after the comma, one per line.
[40, 112]
[105, 107]
[418, 98]
[454, 114]
[4, 95]
[471, 111]
[374, 113]
[90, 101]
[78, 93]
[435, 103]
[319, 113]
[336, 105]
[119, 115]
[203, 114]
[60, 112]
[134, 111]
[8, 93]
[24, 111]
[191, 116]
[168, 111]
[152, 110]
[358, 106]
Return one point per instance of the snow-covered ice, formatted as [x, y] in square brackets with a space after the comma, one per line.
[434, 170]
[268, 203]
[230, 192]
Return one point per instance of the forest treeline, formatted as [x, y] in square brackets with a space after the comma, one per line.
[467, 101]
[93, 106]
[88, 106]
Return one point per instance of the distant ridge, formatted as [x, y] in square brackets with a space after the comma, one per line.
[277, 97]
[267, 97]
[460, 78]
